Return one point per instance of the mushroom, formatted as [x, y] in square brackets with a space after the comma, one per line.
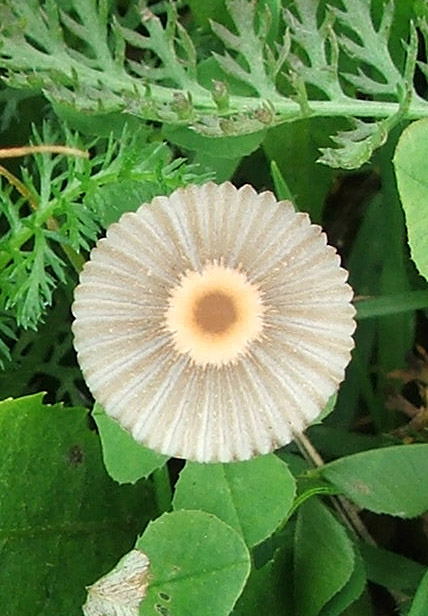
[213, 324]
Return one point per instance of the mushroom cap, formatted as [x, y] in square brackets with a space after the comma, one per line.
[213, 324]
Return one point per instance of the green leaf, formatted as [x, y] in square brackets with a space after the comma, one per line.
[391, 304]
[113, 200]
[350, 592]
[337, 442]
[235, 146]
[7, 332]
[237, 493]
[268, 589]
[356, 146]
[362, 606]
[30, 284]
[198, 565]
[98, 125]
[420, 602]
[324, 558]
[308, 487]
[250, 43]
[295, 148]
[365, 262]
[126, 461]
[391, 480]
[75, 54]
[329, 408]
[43, 357]
[391, 570]
[410, 162]
[282, 191]
[372, 49]
[320, 68]
[395, 333]
[77, 195]
[204, 11]
[219, 169]
[63, 521]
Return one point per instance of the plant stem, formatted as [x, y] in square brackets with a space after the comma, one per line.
[346, 510]
[42, 149]
[284, 109]
[20, 187]
[77, 260]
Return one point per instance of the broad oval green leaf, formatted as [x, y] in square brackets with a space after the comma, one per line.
[393, 571]
[233, 146]
[99, 124]
[126, 461]
[420, 602]
[324, 558]
[254, 497]
[269, 588]
[198, 565]
[352, 590]
[203, 12]
[63, 521]
[391, 480]
[329, 408]
[295, 148]
[410, 161]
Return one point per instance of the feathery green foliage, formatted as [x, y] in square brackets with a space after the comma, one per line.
[63, 205]
[314, 59]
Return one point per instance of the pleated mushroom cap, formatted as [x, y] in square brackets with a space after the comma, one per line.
[213, 324]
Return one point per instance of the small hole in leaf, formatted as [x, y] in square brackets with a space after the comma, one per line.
[163, 611]
[75, 455]
[164, 596]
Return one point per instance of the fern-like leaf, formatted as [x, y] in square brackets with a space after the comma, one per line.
[61, 209]
[80, 57]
